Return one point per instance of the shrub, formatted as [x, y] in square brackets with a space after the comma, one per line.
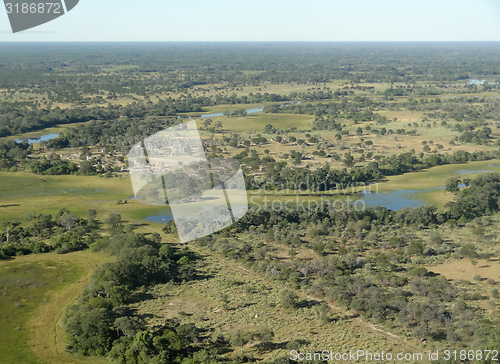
[419, 271]
[416, 248]
[288, 299]
[394, 240]
[469, 251]
[479, 231]
[476, 296]
[436, 239]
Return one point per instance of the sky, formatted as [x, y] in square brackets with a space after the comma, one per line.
[269, 20]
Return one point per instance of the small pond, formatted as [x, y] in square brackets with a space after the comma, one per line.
[42, 138]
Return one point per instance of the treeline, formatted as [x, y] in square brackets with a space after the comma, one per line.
[21, 118]
[123, 133]
[412, 90]
[15, 156]
[359, 110]
[102, 324]
[467, 114]
[118, 68]
[481, 136]
[479, 199]
[279, 175]
[62, 233]
[56, 167]
[386, 286]
[10, 152]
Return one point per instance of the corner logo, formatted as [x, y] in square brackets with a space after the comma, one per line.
[204, 195]
[26, 14]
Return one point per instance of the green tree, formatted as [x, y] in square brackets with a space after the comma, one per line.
[113, 220]
[469, 251]
[348, 160]
[289, 299]
[265, 337]
[92, 214]
[239, 338]
[68, 221]
[86, 168]
[452, 185]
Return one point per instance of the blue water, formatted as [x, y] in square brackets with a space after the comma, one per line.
[42, 138]
[397, 200]
[253, 111]
[465, 171]
[204, 116]
[163, 217]
[249, 111]
[481, 82]
[394, 200]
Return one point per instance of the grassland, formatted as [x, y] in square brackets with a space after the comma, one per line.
[254, 305]
[36, 134]
[34, 293]
[21, 192]
[464, 270]
[36, 289]
[255, 123]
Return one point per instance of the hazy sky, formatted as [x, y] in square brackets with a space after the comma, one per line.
[269, 20]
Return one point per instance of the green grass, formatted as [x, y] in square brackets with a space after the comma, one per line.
[257, 122]
[252, 307]
[23, 288]
[35, 134]
[429, 179]
[222, 108]
[23, 184]
[436, 176]
[21, 192]
[139, 212]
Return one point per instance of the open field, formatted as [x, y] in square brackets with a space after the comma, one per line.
[437, 176]
[255, 123]
[21, 192]
[464, 270]
[35, 292]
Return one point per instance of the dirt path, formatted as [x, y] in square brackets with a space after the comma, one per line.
[360, 323]
[345, 314]
[48, 335]
[363, 325]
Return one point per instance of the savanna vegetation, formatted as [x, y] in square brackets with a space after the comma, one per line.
[308, 119]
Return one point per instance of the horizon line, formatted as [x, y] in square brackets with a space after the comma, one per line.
[251, 41]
